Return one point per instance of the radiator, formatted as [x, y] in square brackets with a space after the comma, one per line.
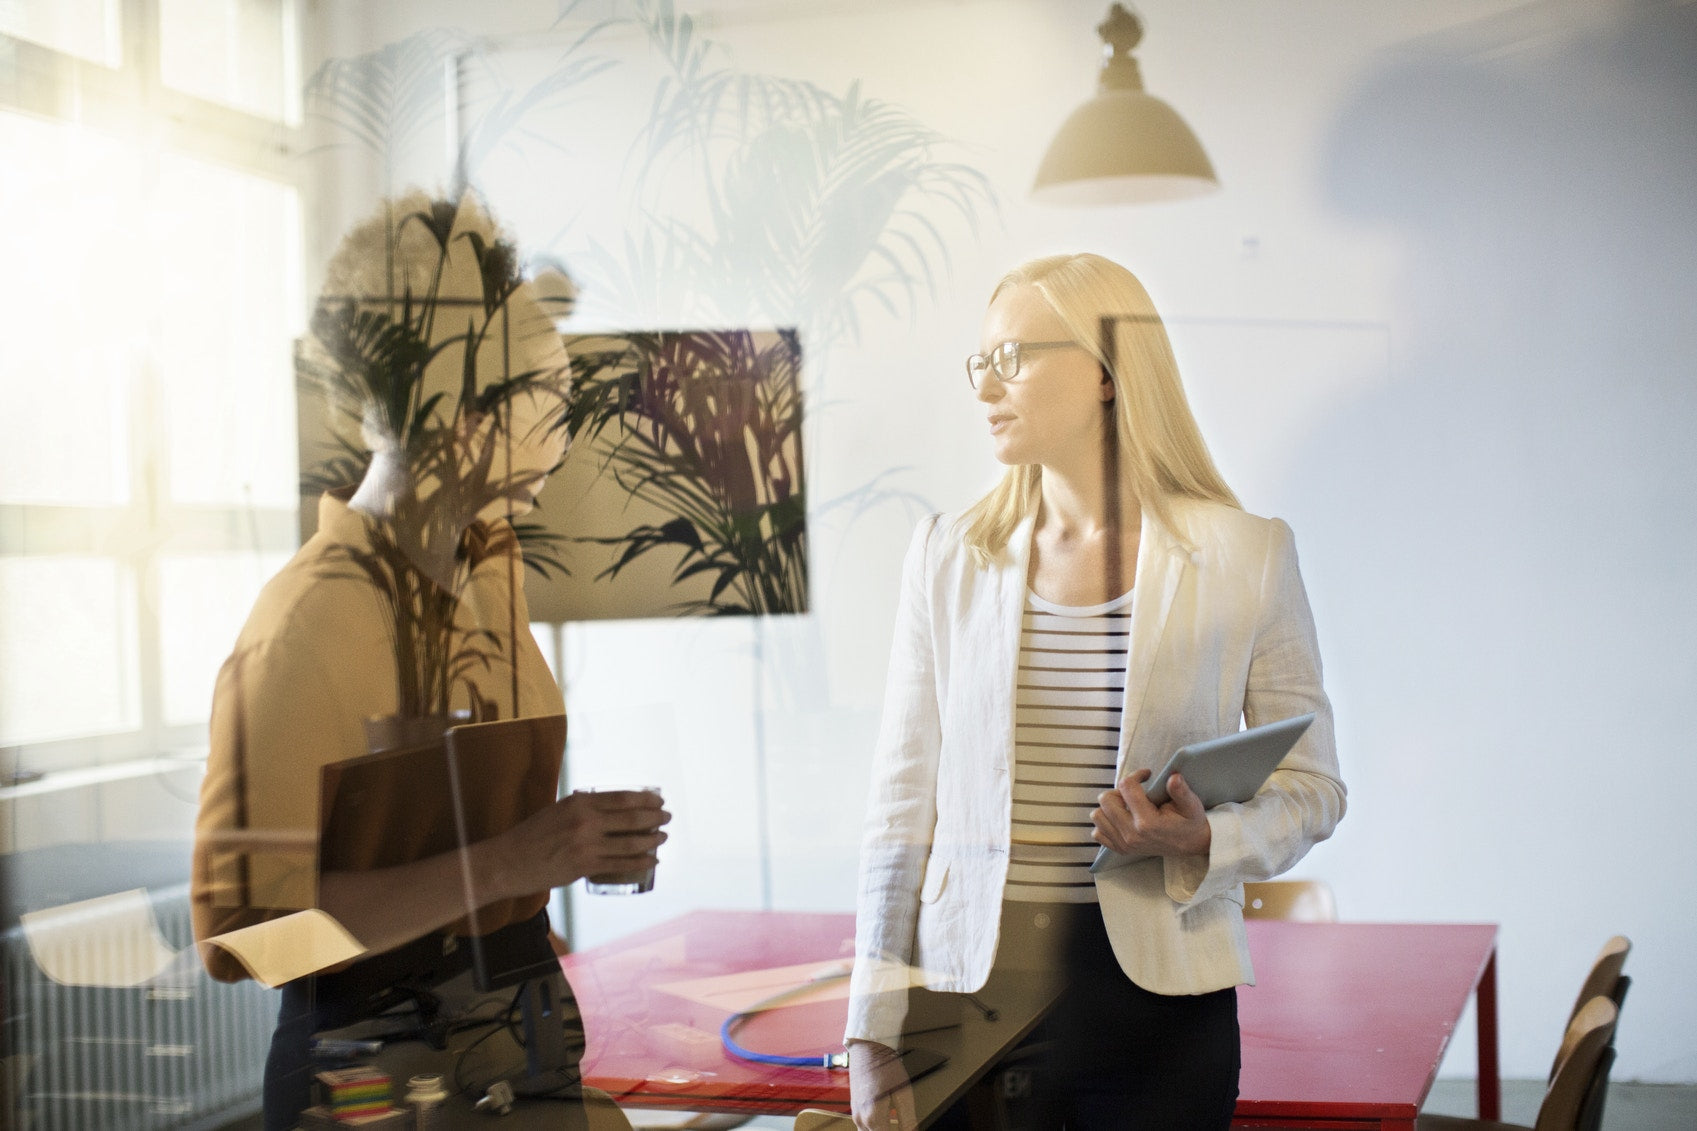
[185, 1052]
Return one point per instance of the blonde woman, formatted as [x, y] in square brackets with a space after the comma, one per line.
[1106, 603]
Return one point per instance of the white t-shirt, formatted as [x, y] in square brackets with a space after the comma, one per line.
[1068, 710]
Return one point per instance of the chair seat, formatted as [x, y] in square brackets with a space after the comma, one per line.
[1308, 901]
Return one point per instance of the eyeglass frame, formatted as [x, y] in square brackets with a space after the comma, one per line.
[992, 366]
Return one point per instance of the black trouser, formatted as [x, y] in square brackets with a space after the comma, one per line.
[1111, 1054]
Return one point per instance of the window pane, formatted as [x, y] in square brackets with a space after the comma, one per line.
[67, 648]
[228, 316]
[88, 28]
[203, 601]
[69, 244]
[242, 53]
[548, 640]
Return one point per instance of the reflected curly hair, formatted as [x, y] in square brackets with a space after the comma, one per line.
[413, 250]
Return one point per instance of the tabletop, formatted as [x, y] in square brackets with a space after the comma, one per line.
[1351, 1020]
[1346, 1021]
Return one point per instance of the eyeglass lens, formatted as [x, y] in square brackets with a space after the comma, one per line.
[1004, 359]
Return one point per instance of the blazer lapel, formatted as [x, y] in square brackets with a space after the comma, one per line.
[1009, 603]
[1161, 562]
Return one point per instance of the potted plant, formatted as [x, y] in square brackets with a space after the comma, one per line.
[417, 350]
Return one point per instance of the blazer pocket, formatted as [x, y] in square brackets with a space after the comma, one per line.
[936, 875]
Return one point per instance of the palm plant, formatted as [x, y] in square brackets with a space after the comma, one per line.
[706, 425]
[816, 208]
[385, 100]
[370, 357]
[816, 202]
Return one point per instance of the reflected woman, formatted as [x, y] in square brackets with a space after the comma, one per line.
[1108, 602]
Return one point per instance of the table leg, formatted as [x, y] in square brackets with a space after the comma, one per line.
[1485, 1007]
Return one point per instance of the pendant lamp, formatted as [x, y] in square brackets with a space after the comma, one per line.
[1124, 146]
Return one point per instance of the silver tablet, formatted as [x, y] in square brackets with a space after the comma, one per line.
[1229, 768]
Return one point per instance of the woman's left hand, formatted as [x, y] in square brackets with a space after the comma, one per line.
[1128, 822]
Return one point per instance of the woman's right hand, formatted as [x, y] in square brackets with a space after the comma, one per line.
[581, 834]
[880, 1094]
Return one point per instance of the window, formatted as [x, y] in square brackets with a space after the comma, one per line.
[87, 29]
[153, 243]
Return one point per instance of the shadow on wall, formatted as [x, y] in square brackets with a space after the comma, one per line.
[1514, 507]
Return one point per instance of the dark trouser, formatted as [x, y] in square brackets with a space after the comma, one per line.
[1111, 1054]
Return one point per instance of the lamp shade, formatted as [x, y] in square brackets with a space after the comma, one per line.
[1122, 147]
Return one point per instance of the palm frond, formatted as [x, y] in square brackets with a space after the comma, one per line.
[384, 98]
[705, 426]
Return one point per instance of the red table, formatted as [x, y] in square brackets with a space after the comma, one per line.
[1347, 1022]
[624, 1013]
[1345, 1028]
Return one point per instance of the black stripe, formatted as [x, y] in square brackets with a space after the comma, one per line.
[1082, 629]
[1064, 844]
[1055, 824]
[1069, 746]
[1046, 687]
[1111, 615]
[1058, 804]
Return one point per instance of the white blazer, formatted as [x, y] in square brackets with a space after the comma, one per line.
[1220, 630]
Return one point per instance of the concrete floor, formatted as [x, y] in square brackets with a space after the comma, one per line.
[1631, 1107]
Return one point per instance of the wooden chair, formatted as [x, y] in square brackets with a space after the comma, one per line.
[814, 1119]
[1604, 980]
[1600, 982]
[1591, 1111]
[1587, 1042]
[1308, 901]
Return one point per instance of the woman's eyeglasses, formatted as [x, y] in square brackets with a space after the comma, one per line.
[1006, 359]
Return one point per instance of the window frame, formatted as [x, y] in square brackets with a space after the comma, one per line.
[132, 101]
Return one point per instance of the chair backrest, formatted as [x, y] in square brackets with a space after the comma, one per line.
[1587, 1039]
[1309, 901]
[1591, 1108]
[815, 1119]
[1596, 1096]
[1601, 981]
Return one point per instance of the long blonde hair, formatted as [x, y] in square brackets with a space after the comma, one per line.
[1161, 450]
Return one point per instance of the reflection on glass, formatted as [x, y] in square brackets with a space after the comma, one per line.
[69, 246]
[67, 648]
[203, 600]
[241, 53]
[230, 248]
[86, 28]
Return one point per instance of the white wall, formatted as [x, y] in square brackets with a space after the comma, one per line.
[1438, 317]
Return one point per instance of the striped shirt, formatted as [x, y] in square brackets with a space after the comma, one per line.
[1067, 714]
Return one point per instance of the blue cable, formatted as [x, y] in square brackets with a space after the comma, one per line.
[835, 1061]
[830, 1060]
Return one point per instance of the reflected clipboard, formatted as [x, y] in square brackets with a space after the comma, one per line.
[410, 803]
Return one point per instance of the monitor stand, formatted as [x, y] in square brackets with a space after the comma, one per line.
[547, 1070]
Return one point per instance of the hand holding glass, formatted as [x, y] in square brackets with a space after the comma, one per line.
[624, 883]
